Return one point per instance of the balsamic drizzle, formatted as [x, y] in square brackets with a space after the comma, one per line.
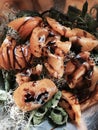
[40, 99]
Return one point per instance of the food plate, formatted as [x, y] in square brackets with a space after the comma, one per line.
[89, 116]
[89, 121]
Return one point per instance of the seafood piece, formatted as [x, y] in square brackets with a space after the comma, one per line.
[92, 95]
[22, 78]
[93, 99]
[70, 68]
[24, 25]
[14, 57]
[82, 33]
[29, 74]
[32, 95]
[55, 25]
[50, 45]
[57, 47]
[79, 71]
[7, 44]
[71, 105]
[55, 65]
[8, 41]
[63, 46]
[83, 43]
[94, 79]
[66, 31]
[22, 56]
[37, 69]
[37, 40]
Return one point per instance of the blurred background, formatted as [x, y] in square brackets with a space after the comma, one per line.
[41, 5]
[9, 8]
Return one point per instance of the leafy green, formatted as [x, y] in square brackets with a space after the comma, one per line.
[26, 13]
[58, 116]
[40, 114]
[92, 24]
[54, 101]
[60, 17]
[73, 13]
[9, 80]
[84, 9]
[76, 18]
[83, 20]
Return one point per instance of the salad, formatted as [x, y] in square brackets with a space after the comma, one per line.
[49, 67]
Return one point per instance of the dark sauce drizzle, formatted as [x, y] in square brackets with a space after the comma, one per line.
[29, 97]
[40, 99]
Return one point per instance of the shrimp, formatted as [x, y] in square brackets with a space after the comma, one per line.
[24, 25]
[85, 40]
[85, 44]
[66, 31]
[32, 95]
[37, 40]
[79, 71]
[91, 101]
[94, 79]
[82, 33]
[58, 27]
[71, 105]
[55, 65]
[7, 44]
[63, 46]
[25, 76]
[57, 47]
[14, 57]
[22, 78]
